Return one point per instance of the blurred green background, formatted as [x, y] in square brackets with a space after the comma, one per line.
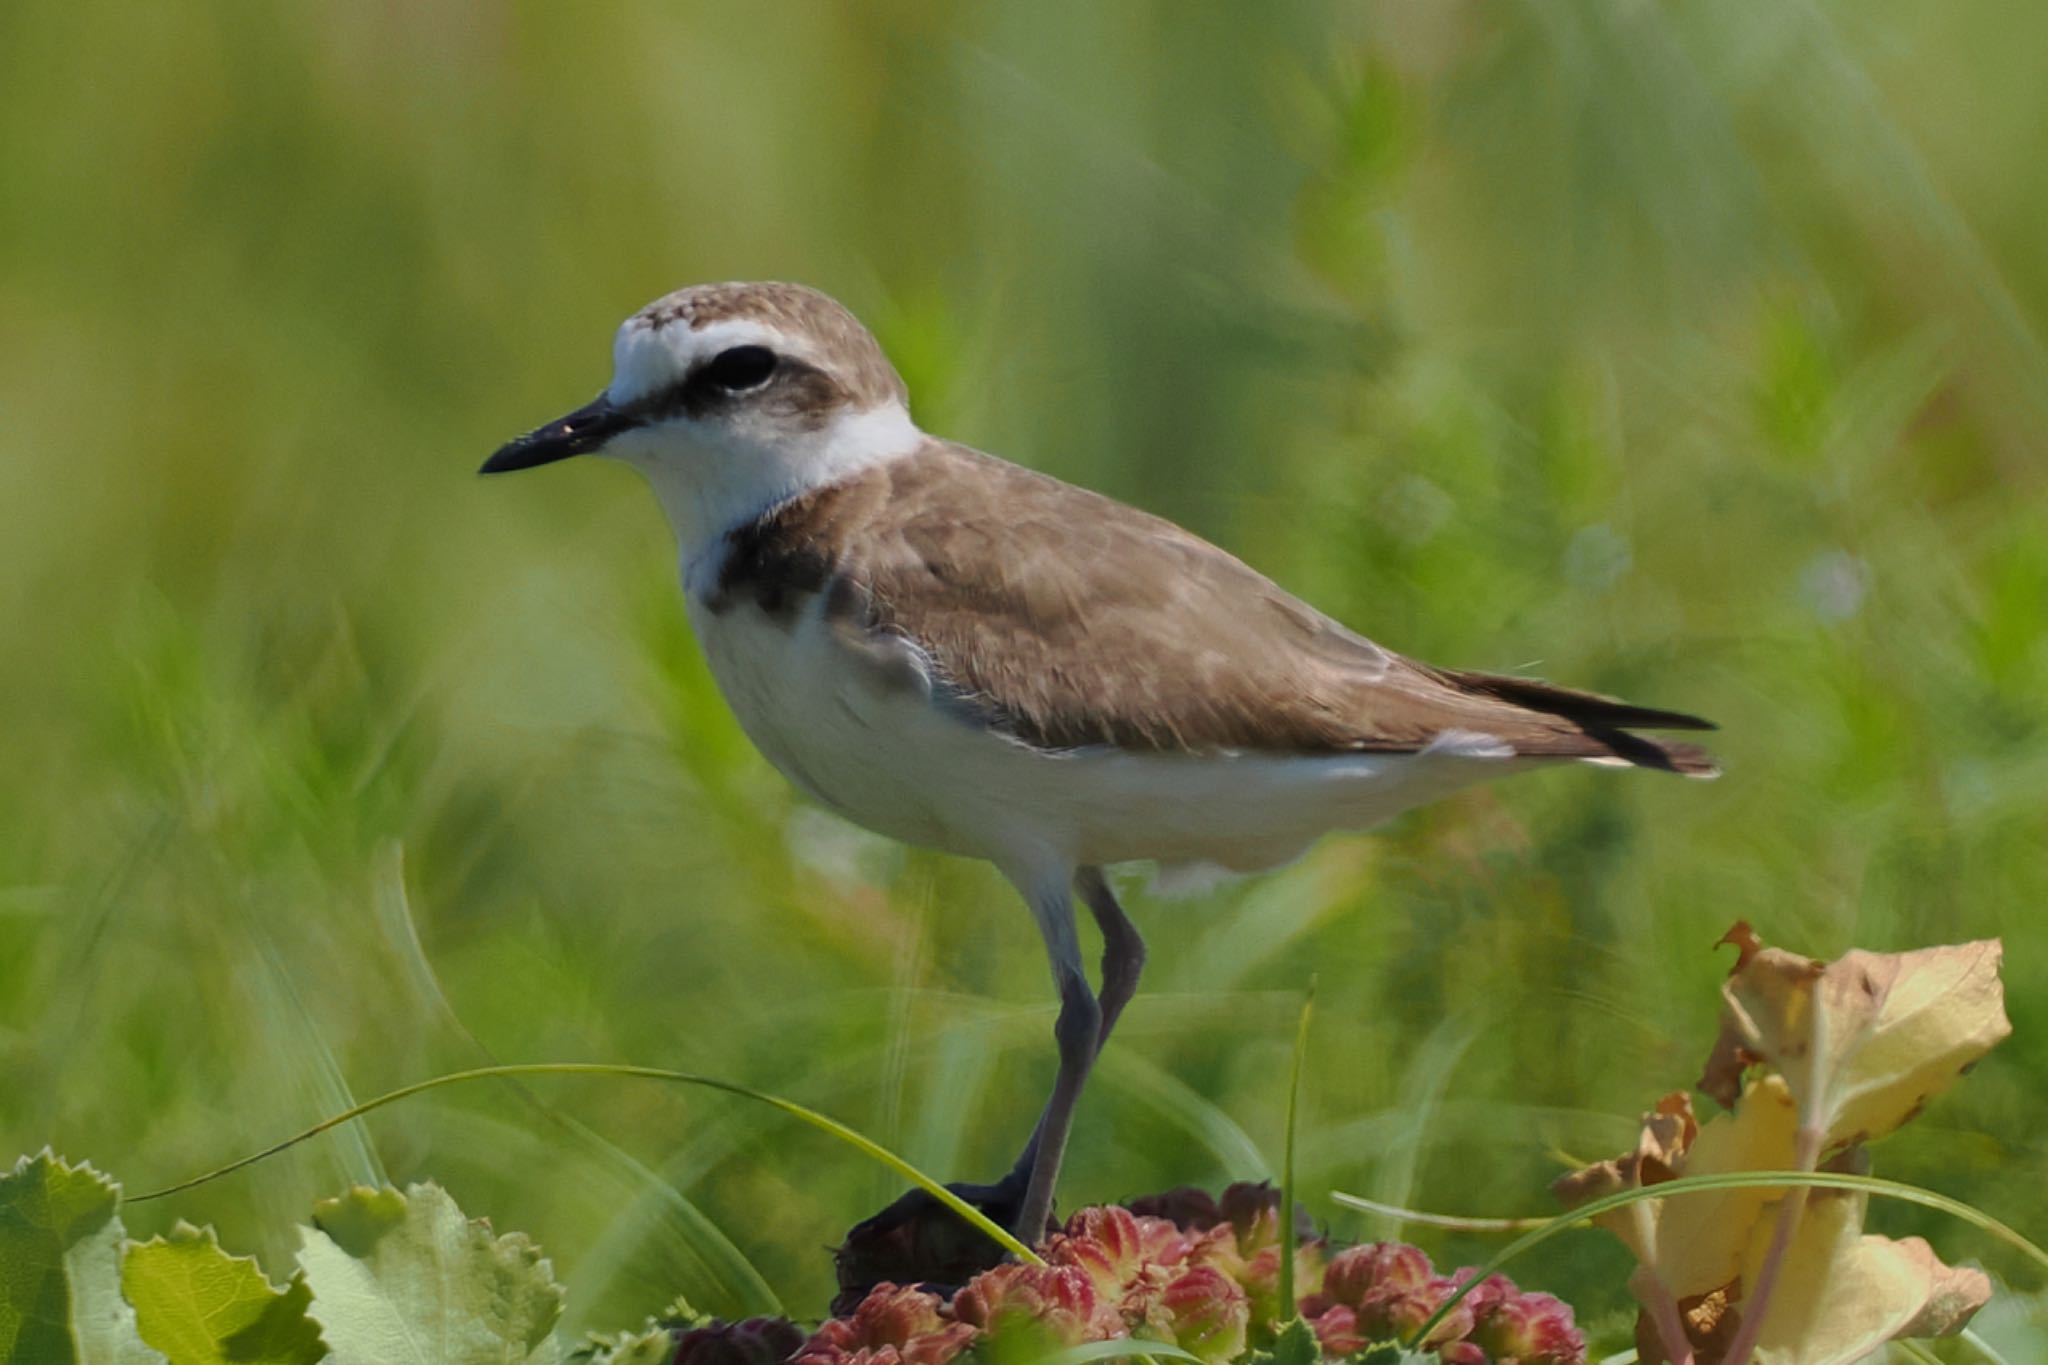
[1685, 351]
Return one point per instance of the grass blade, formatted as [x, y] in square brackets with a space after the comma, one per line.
[1450, 1222]
[1287, 1300]
[867, 1146]
[726, 1269]
[1202, 1119]
[1423, 1088]
[1118, 1348]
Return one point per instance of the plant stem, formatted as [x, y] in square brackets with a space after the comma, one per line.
[1452, 1221]
[1757, 1302]
[1288, 1307]
[1664, 1315]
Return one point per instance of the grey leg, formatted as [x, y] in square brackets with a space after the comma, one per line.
[1123, 958]
[1078, 1031]
[1123, 950]
[1084, 1026]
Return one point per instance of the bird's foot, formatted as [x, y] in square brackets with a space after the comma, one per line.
[918, 1240]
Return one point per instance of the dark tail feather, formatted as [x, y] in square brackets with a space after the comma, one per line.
[1604, 724]
[1687, 760]
[1589, 709]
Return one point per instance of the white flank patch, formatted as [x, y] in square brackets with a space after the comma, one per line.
[1469, 744]
[1185, 881]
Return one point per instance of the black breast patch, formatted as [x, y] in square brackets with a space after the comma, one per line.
[784, 557]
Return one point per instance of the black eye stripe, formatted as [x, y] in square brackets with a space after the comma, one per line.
[700, 392]
[739, 368]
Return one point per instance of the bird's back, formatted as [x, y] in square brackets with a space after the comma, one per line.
[1067, 619]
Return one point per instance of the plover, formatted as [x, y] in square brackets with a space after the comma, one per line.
[968, 655]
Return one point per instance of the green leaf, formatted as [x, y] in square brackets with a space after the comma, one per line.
[1117, 1348]
[1393, 1353]
[1296, 1344]
[201, 1306]
[60, 1268]
[405, 1279]
[681, 1313]
[655, 1346]
[1288, 1303]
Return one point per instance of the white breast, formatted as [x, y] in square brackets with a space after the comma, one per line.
[827, 723]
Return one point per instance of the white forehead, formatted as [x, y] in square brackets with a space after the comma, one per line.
[648, 356]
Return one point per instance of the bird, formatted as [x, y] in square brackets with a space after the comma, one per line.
[965, 654]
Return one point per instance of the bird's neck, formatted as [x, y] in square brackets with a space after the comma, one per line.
[708, 491]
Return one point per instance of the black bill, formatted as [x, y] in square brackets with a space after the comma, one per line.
[580, 433]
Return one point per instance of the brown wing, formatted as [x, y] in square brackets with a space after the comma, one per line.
[1069, 619]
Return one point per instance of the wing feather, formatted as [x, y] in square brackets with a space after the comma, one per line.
[1068, 619]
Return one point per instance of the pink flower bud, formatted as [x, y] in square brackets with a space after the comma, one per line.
[1337, 1329]
[1208, 1314]
[1059, 1302]
[1383, 1267]
[1115, 1248]
[1489, 1292]
[1390, 1311]
[1531, 1329]
[892, 1326]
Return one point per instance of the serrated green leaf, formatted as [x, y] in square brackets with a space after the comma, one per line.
[1118, 1348]
[1393, 1353]
[1296, 1344]
[201, 1306]
[405, 1279]
[682, 1313]
[60, 1268]
[655, 1346]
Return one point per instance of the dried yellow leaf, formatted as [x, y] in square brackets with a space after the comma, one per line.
[1842, 1294]
[1693, 1243]
[1851, 1050]
[1863, 1041]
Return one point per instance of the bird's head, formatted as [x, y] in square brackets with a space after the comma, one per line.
[731, 397]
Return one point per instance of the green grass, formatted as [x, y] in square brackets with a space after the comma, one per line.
[1689, 355]
[901, 1169]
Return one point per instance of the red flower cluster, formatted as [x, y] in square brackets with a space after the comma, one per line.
[1201, 1273]
[892, 1326]
[1386, 1290]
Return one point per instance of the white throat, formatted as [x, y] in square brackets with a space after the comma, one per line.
[710, 484]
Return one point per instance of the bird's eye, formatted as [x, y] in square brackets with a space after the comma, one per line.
[741, 367]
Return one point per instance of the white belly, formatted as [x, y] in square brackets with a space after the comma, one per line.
[887, 756]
